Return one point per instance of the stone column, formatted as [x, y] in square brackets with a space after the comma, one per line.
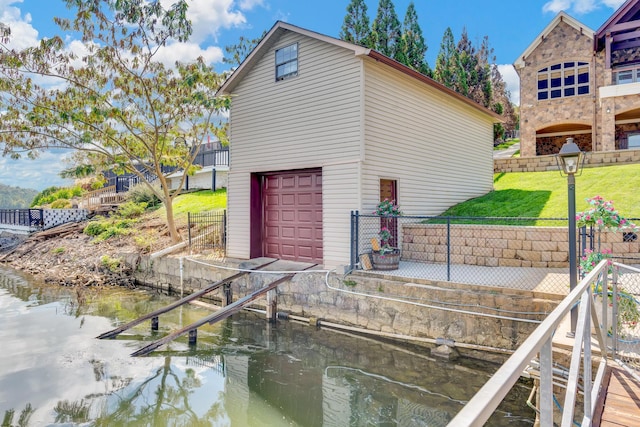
[608, 124]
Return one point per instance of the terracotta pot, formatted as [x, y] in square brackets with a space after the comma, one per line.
[388, 261]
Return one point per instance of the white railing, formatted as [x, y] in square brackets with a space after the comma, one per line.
[540, 344]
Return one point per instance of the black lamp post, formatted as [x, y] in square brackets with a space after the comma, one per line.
[570, 162]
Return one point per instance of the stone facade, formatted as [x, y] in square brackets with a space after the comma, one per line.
[592, 119]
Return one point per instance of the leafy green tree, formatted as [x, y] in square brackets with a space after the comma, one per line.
[413, 47]
[356, 28]
[237, 53]
[385, 31]
[445, 70]
[115, 102]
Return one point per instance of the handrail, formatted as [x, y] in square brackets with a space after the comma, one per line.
[478, 410]
[100, 196]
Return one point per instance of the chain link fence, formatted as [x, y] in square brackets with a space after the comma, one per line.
[517, 253]
[208, 231]
[624, 300]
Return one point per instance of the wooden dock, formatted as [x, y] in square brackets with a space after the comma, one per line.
[620, 405]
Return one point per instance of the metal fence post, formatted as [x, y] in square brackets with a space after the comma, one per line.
[224, 230]
[448, 249]
[614, 310]
[353, 243]
[189, 227]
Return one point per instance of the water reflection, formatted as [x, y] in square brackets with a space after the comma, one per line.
[244, 371]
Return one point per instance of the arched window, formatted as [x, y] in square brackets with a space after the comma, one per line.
[563, 80]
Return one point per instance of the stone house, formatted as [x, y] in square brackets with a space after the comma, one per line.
[319, 127]
[580, 83]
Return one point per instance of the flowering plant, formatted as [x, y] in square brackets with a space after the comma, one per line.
[387, 208]
[602, 215]
[590, 259]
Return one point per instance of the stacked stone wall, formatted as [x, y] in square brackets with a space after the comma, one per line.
[500, 246]
[548, 163]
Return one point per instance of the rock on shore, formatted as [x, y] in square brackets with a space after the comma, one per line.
[65, 256]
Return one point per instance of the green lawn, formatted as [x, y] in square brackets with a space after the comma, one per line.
[200, 201]
[544, 194]
[506, 144]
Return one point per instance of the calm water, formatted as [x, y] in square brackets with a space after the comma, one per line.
[243, 372]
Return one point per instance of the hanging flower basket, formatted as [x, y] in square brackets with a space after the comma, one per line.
[386, 261]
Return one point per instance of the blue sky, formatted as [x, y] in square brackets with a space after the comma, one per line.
[511, 26]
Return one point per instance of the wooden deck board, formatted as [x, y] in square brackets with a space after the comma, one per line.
[622, 401]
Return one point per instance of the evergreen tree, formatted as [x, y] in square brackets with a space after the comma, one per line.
[385, 30]
[446, 62]
[501, 96]
[465, 68]
[355, 28]
[413, 47]
[483, 90]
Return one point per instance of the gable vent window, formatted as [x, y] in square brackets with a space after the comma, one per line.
[563, 80]
[287, 62]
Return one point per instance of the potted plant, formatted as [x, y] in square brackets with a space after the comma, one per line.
[386, 255]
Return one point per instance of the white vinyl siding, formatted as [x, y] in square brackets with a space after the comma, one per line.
[340, 195]
[437, 148]
[238, 218]
[312, 120]
[300, 122]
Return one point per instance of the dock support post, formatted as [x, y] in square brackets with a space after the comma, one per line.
[154, 323]
[193, 336]
[272, 305]
[228, 294]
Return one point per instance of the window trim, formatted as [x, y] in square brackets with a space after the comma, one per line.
[285, 62]
[555, 80]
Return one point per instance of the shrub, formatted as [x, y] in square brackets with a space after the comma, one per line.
[132, 209]
[95, 228]
[51, 194]
[111, 264]
[61, 204]
[141, 193]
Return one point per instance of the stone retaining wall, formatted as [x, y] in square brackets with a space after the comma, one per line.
[309, 296]
[500, 246]
[548, 163]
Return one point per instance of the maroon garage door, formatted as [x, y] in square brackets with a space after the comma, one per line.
[293, 215]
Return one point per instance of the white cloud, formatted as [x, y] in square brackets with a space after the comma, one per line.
[556, 6]
[614, 4]
[188, 52]
[208, 17]
[250, 4]
[579, 7]
[23, 34]
[37, 174]
[512, 81]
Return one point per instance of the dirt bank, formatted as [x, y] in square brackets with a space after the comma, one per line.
[64, 255]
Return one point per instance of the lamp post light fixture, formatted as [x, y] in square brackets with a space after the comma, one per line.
[570, 160]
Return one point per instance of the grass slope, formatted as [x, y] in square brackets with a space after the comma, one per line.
[199, 201]
[544, 194]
